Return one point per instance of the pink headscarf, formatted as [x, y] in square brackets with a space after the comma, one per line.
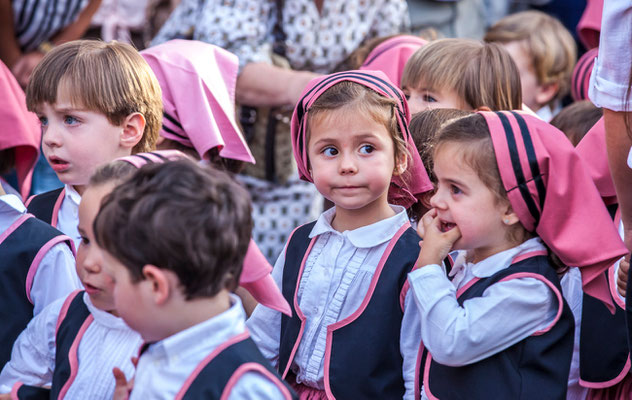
[400, 193]
[555, 197]
[391, 55]
[198, 94]
[580, 81]
[592, 150]
[255, 275]
[589, 26]
[19, 129]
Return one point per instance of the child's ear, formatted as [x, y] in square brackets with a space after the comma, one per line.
[546, 92]
[133, 128]
[510, 217]
[158, 282]
[400, 164]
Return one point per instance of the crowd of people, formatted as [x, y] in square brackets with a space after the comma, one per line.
[307, 199]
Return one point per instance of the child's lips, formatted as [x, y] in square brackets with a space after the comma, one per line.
[446, 226]
[91, 289]
[58, 164]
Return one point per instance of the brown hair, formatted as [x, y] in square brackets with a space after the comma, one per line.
[549, 44]
[109, 78]
[482, 74]
[364, 101]
[575, 120]
[474, 137]
[181, 217]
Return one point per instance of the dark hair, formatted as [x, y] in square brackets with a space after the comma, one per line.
[478, 152]
[576, 119]
[182, 217]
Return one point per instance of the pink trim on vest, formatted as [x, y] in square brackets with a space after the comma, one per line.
[73, 357]
[14, 226]
[28, 201]
[403, 293]
[420, 354]
[337, 325]
[64, 310]
[427, 378]
[38, 259]
[529, 255]
[14, 390]
[60, 199]
[468, 285]
[607, 384]
[207, 359]
[558, 294]
[253, 367]
[299, 313]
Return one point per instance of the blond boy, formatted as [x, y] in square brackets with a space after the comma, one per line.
[96, 102]
[545, 54]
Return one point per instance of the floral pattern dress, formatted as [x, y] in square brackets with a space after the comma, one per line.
[317, 41]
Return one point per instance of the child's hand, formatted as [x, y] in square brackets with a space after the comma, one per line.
[436, 244]
[122, 386]
[622, 275]
[5, 396]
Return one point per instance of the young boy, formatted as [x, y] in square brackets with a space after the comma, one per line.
[174, 238]
[36, 260]
[545, 54]
[96, 102]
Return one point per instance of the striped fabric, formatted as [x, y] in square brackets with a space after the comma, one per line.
[36, 21]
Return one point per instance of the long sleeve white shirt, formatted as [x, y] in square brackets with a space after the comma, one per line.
[165, 365]
[504, 315]
[336, 278]
[107, 343]
[55, 276]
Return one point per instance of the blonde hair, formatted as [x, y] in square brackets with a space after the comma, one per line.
[364, 101]
[109, 78]
[482, 74]
[548, 43]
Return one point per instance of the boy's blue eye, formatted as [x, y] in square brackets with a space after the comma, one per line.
[330, 151]
[367, 149]
[43, 121]
[429, 99]
[455, 189]
[70, 120]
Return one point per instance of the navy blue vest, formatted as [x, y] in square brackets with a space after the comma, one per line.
[75, 316]
[603, 345]
[534, 368]
[43, 205]
[17, 254]
[365, 361]
[213, 379]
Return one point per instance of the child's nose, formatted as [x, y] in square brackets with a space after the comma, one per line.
[51, 136]
[436, 201]
[347, 165]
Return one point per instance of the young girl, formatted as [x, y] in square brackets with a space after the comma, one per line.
[198, 93]
[461, 73]
[352, 333]
[509, 186]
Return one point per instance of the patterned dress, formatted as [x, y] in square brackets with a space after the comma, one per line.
[317, 42]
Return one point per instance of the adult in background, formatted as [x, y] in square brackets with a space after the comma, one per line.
[281, 46]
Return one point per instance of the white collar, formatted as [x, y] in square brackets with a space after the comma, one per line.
[496, 262]
[104, 318]
[205, 336]
[366, 236]
[72, 195]
[11, 204]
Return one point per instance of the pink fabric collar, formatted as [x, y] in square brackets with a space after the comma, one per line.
[400, 193]
[555, 197]
[391, 55]
[19, 129]
[198, 92]
[592, 150]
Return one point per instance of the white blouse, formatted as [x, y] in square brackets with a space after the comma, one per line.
[335, 280]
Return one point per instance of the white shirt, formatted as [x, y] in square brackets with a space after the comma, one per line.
[336, 278]
[68, 215]
[507, 313]
[165, 365]
[55, 276]
[611, 72]
[107, 343]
